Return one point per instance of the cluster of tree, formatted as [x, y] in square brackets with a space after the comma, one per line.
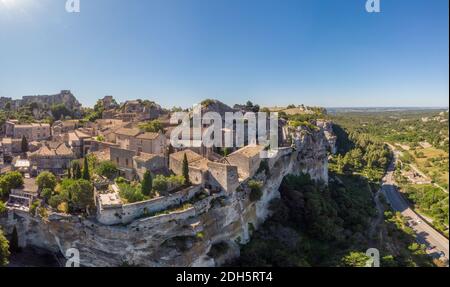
[428, 199]
[312, 225]
[149, 187]
[71, 195]
[8, 181]
[60, 112]
[107, 169]
[4, 249]
[75, 171]
[154, 126]
[91, 115]
[408, 253]
[408, 127]
[360, 152]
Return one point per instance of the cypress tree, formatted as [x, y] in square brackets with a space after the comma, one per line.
[76, 170]
[86, 175]
[186, 169]
[147, 183]
[24, 144]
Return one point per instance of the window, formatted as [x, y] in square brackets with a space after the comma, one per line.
[126, 162]
[117, 160]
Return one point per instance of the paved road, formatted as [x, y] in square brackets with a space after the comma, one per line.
[437, 244]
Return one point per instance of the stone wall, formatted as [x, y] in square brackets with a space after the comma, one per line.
[128, 212]
[223, 177]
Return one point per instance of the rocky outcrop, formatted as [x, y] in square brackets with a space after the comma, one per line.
[206, 234]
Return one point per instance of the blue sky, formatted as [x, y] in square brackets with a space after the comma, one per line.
[177, 52]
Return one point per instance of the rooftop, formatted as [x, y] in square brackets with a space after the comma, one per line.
[249, 151]
[110, 200]
[128, 132]
[191, 156]
[148, 136]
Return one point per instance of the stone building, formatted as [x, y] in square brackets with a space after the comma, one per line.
[53, 157]
[11, 146]
[33, 132]
[142, 162]
[62, 127]
[247, 159]
[135, 140]
[123, 158]
[214, 176]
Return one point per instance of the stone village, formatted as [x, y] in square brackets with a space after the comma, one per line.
[143, 202]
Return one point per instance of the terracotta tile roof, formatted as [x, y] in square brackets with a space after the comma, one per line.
[249, 151]
[145, 156]
[64, 150]
[191, 156]
[128, 132]
[53, 149]
[148, 136]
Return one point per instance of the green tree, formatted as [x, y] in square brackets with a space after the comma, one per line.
[2, 207]
[10, 180]
[256, 192]
[86, 174]
[152, 126]
[4, 250]
[160, 183]
[355, 259]
[130, 193]
[186, 169]
[76, 170]
[24, 144]
[46, 194]
[82, 195]
[46, 179]
[147, 183]
[107, 169]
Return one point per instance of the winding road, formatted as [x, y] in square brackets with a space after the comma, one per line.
[437, 244]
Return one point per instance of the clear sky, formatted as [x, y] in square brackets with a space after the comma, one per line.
[318, 52]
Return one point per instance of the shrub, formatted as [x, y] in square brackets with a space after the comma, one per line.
[33, 207]
[147, 183]
[256, 192]
[10, 180]
[130, 193]
[63, 207]
[2, 207]
[176, 181]
[46, 194]
[107, 169]
[121, 180]
[46, 180]
[160, 183]
[4, 250]
[152, 126]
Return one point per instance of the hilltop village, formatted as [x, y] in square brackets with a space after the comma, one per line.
[108, 182]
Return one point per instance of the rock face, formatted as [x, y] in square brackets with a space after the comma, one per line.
[207, 234]
[42, 103]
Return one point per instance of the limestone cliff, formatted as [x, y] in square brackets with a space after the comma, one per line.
[207, 234]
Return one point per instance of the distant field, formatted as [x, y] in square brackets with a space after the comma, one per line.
[434, 163]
